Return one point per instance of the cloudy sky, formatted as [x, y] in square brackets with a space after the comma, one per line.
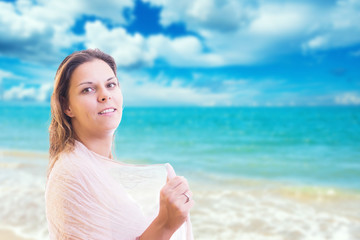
[190, 52]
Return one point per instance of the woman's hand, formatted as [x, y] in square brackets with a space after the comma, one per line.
[175, 203]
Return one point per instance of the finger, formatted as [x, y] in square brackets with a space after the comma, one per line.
[189, 193]
[183, 182]
[181, 189]
[186, 206]
[170, 171]
[175, 182]
[185, 197]
[183, 203]
[189, 204]
[191, 201]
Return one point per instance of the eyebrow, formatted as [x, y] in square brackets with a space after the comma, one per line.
[92, 82]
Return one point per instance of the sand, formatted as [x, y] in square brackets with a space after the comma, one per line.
[9, 235]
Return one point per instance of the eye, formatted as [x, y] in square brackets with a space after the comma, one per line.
[111, 85]
[87, 90]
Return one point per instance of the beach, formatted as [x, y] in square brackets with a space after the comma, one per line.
[10, 235]
[261, 174]
[265, 212]
[225, 207]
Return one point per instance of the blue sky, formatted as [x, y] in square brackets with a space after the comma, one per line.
[190, 52]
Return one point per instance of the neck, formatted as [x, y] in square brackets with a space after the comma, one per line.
[98, 144]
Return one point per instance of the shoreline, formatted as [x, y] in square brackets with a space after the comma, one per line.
[23, 154]
[201, 178]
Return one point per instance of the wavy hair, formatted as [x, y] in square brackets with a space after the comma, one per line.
[61, 133]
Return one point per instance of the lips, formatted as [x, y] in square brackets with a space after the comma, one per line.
[107, 111]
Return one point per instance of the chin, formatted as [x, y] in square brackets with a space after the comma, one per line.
[112, 126]
[108, 124]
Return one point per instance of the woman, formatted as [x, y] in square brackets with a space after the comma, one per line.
[88, 194]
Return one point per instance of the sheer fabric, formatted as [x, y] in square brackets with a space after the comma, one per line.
[89, 196]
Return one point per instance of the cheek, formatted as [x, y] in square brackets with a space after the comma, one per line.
[82, 108]
[119, 97]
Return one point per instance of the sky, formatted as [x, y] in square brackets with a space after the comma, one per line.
[190, 52]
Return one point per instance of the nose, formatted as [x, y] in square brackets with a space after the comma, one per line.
[104, 96]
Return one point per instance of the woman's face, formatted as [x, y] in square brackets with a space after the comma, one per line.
[95, 100]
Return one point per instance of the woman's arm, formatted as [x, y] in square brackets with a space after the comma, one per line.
[174, 209]
[156, 230]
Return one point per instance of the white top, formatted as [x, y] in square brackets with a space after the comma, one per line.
[89, 196]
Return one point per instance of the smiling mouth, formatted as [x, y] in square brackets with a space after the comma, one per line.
[109, 110]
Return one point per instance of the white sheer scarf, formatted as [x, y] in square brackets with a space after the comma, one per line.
[89, 196]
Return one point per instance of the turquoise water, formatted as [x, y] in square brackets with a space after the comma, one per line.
[310, 146]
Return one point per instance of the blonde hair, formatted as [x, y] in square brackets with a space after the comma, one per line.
[61, 133]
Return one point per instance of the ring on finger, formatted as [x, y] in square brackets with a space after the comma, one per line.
[187, 197]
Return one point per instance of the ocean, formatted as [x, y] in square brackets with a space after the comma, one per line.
[256, 173]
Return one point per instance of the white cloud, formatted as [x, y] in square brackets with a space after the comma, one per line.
[127, 49]
[280, 20]
[347, 98]
[259, 30]
[39, 31]
[183, 51]
[316, 42]
[21, 92]
[201, 15]
[336, 27]
[227, 32]
[44, 92]
[111, 9]
[240, 32]
[5, 74]
[141, 90]
[133, 50]
[31, 32]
